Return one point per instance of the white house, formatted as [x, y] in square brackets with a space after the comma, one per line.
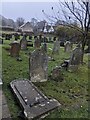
[27, 27]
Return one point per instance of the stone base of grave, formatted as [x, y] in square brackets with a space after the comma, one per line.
[34, 103]
[38, 80]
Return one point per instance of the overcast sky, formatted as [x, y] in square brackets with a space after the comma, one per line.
[27, 10]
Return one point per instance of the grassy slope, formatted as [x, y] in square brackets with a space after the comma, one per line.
[71, 93]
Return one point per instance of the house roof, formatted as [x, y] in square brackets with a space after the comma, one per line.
[26, 27]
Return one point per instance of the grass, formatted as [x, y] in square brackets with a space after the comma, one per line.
[72, 92]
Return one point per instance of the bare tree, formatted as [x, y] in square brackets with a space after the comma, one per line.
[34, 22]
[75, 11]
[20, 21]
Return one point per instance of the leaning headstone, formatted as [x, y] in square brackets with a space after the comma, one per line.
[56, 47]
[23, 43]
[37, 43]
[32, 101]
[68, 46]
[15, 49]
[38, 66]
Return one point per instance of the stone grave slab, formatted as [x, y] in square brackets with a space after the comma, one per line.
[33, 102]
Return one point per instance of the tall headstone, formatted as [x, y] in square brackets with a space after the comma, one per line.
[38, 66]
[15, 49]
[68, 46]
[23, 43]
[56, 47]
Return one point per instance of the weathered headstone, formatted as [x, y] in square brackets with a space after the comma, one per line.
[68, 46]
[37, 42]
[75, 58]
[15, 49]
[56, 47]
[56, 74]
[23, 43]
[33, 102]
[38, 66]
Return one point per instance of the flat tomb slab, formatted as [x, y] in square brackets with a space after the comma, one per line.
[34, 103]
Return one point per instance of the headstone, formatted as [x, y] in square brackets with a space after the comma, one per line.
[50, 40]
[7, 37]
[3, 35]
[56, 47]
[56, 74]
[45, 39]
[23, 43]
[32, 101]
[68, 46]
[37, 42]
[44, 47]
[54, 39]
[40, 38]
[75, 58]
[17, 36]
[15, 49]
[1, 40]
[88, 48]
[38, 66]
